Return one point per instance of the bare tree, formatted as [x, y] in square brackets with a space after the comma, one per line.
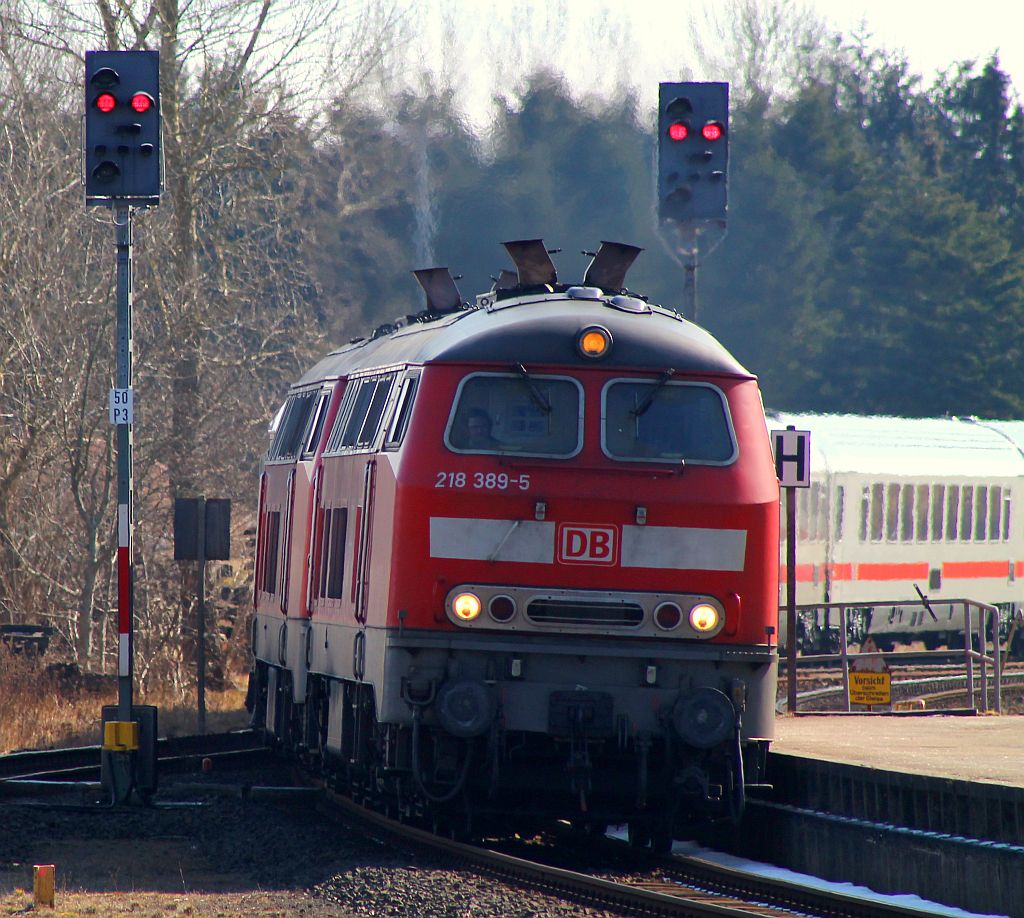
[762, 47]
[226, 308]
[42, 330]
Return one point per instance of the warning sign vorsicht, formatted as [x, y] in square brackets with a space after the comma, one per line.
[870, 688]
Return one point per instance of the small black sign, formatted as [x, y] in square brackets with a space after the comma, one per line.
[217, 531]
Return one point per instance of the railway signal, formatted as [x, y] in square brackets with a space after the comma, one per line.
[693, 152]
[121, 156]
[122, 170]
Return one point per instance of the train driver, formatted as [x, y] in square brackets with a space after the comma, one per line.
[478, 426]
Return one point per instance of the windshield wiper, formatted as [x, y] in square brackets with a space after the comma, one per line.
[655, 389]
[537, 395]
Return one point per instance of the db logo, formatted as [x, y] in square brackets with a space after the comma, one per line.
[587, 544]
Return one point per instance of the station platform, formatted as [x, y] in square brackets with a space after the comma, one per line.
[970, 748]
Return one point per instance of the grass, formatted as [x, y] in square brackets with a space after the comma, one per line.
[257, 904]
[43, 707]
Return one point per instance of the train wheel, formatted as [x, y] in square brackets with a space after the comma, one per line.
[662, 837]
[639, 833]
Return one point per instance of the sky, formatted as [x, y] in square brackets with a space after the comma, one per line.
[937, 33]
[605, 45]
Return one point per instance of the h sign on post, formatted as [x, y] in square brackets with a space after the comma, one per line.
[792, 450]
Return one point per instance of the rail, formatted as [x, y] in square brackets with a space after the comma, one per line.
[980, 626]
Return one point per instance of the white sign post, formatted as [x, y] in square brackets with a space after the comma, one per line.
[792, 449]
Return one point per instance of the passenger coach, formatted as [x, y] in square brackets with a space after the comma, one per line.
[901, 508]
[521, 556]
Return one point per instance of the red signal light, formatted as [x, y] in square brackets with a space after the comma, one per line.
[678, 131]
[106, 102]
[142, 102]
[712, 131]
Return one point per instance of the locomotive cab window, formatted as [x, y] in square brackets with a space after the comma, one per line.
[527, 414]
[654, 421]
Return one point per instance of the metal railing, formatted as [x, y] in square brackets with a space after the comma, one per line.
[980, 622]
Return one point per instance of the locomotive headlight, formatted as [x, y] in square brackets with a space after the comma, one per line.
[466, 606]
[704, 617]
[594, 342]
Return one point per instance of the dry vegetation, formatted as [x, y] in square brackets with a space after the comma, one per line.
[166, 905]
[52, 705]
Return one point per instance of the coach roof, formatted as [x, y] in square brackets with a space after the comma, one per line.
[911, 447]
[539, 330]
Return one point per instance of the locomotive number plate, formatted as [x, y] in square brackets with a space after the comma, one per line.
[483, 481]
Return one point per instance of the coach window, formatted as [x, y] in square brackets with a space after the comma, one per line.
[892, 512]
[938, 508]
[966, 512]
[877, 512]
[526, 414]
[837, 531]
[907, 493]
[921, 532]
[981, 514]
[812, 513]
[952, 512]
[657, 421]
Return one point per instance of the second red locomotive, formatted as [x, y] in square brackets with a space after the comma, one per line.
[520, 558]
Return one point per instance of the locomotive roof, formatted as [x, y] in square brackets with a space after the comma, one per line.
[540, 329]
[922, 447]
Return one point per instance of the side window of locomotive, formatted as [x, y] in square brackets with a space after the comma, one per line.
[649, 421]
[272, 537]
[531, 415]
[316, 423]
[402, 414]
[359, 419]
[288, 439]
[330, 573]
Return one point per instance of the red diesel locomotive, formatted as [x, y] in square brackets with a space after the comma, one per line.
[521, 557]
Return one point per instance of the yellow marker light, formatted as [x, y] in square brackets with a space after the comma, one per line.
[594, 342]
[466, 606]
[703, 617]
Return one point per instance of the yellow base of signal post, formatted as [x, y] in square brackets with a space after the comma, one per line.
[117, 758]
[121, 736]
[43, 882]
[128, 755]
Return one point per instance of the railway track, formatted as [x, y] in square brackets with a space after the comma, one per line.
[916, 682]
[677, 885]
[595, 872]
[82, 763]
